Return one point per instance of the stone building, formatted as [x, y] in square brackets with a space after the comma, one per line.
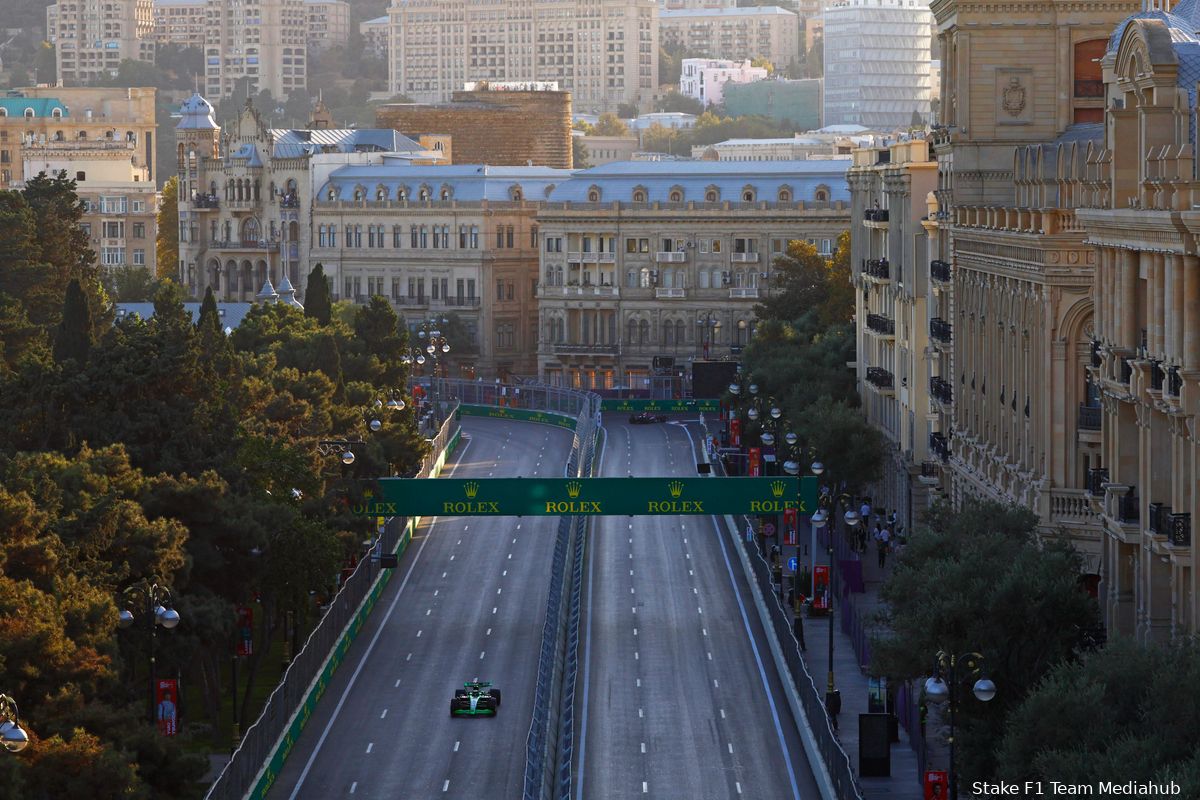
[604, 53]
[328, 23]
[607, 149]
[92, 37]
[734, 33]
[180, 22]
[666, 260]
[104, 140]
[494, 126]
[375, 36]
[264, 42]
[897, 337]
[704, 79]
[441, 240]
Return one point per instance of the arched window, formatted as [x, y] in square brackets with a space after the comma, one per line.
[82, 135]
[130, 136]
[29, 113]
[445, 194]
[639, 195]
[632, 331]
[3, 112]
[402, 193]
[251, 230]
[593, 194]
[679, 332]
[423, 194]
[108, 135]
[711, 196]
[515, 194]
[58, 136]
[332, 193]
[56, 113]
[822, 196]
[359, 192]
[747, 195]
[785, 195]
[675, 196]
[381, 194]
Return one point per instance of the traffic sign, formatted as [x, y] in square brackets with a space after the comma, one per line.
[791, 564]
[513, 497]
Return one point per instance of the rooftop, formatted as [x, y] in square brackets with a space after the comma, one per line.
[752, 11]
[41, 106]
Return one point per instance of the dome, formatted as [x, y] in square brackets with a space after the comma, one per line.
[196, 113]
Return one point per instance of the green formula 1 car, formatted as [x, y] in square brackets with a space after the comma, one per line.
[475, 699]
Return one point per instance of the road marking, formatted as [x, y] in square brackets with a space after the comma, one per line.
[635, 631]
[446, 785]
[635, 609]
[397, 686]
[443, 574]
[353, 787]
[635, 655]
[699, 610]
[498, 591]
[631, 591]
[504, 574]
[710, 656]
[435, 592]
[641, 713]
[695, 590]
[459, 541]
[493, 609]
[451, 558]
[370, 746]
[685, 555]
[481, 652]
[704, 631]
[645, 788]
[514, 540]
[490, 474]
[489, 632]
[685, 540]
[643, 747]
[722, 713]
[383, 713]
[731, 747]
[456, 747]
[510, 556]
[518, 526]
[639, 682]
[428, 611]
[419, 634]
[739, 787]
[407, 659]
[631, 571]
[631, 555]
[691, 573]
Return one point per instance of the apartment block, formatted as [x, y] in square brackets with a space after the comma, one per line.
[813, 145]
[604, 53]
[180, 22]
[263, 41]
[646, 263]
[92, 37]
[328, 23]
[740, 34]
[375, 36]
[704, 79]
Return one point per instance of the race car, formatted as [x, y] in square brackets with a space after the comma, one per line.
[475, 699]
[646, 418]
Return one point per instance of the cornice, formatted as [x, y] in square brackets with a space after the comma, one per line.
[943, 10]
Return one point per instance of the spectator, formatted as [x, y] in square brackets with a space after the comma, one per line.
[883, 538]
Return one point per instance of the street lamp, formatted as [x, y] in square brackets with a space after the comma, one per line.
[939, 689]
[12, 735]
[826, 505]
[741, 326]
[432, 346]
[156, 600]
[710, 327]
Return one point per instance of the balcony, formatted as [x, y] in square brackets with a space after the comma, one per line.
[1156, 376]
[1096, 359]
[744, 292]
[879, 269]
[1126, 370]
[875, 215]
[410, 300]
[269, 247]
[591, 258]
[941, 390]
[568, 348]
[931, 473]
[939, 446]
[880, 378]
[1070, 507]
[1097, 478]
[1158, 519]
[206, 201]
[464, 302]
[670, 257]
[1129, 507]
[1174, 382]
[941, 331]
[1089, 418]
[743, 258]
[289, 201]
[939, 271]
[878, 323]
[1180, 531]
[662, 293]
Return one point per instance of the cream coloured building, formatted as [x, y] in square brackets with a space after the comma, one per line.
[734, 33]
[642, 260]
[897, 337]
[328, 23]
[604, 53]
[264, 41]
[180, 22]
[375, 36]
[607, 149]
[92, 37]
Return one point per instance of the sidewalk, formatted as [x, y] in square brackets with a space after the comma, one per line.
[851, 680]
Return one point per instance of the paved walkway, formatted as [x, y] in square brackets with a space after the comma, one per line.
[851, 680]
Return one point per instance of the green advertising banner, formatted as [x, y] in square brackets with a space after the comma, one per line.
[629, 405]
[516, 497]
[521, 414]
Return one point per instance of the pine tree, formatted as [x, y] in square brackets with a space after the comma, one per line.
[316, 296]
[74, 339]
[209, 318]
[166, 247]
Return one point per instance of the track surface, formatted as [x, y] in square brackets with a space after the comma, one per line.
[679, 697]
[468, 601]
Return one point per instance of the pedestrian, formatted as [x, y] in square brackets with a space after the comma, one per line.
[883, 540]
[749, 533]
[864, 513]
[798, 624]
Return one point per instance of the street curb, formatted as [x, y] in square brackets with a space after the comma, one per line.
[820, 768]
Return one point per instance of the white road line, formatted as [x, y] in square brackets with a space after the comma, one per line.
[446, 785]
[419, 634]
[383, 713]
[730, 747]
[481, 652]
[407, 659]
[722, 713]
[715, 684]
[645, 788]
[498, 591]
[514, 540]
[353, 787]
[504, 574]
[635, 609]
[699, 610]
[451, 558]
[635, 655]
[704, 631]
[489, 632]
[397, 686]
[688, 556]
[493, 609]
[435, 592]
[631, 591]
[631, 555]
[370, 746]
[456, 747]
[510, 555]
[695, 590]
[635, 631]
[631, 571]
[428, 611]
[685, 540]
[641, 713]
[443, 574]
[739, 787]
[691, 573]
[459, 541]
[639, 682]
[643, 747]
[518, 526]
[710, 656]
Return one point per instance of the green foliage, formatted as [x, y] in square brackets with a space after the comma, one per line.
[130, 284]
[166, 247]
[610, 124]
[74, 331]
[627, 110]
[977, 579]
[579, 153]
[316, 296]
[674, 101]
[805, 280]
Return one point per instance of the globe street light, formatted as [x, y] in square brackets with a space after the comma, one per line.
[12, 735]
[156, 600]
[941, 689]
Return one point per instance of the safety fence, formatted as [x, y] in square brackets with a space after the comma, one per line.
[813, 702]
[261, 753]
[550, 744]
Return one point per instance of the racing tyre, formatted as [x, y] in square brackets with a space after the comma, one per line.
[451, 709]
[496, 694]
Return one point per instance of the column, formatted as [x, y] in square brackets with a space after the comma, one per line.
[1157, 276]
[1191, 313]
[1126, 299]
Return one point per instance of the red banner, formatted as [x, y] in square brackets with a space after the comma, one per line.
[245, 634]
[167, 710]
[789, 526]
[755, 462]
[735, 432]
[936, 781]
[821, 588]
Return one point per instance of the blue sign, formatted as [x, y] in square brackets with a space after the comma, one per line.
[792, 564]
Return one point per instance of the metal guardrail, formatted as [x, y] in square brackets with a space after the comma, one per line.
[836, 761]
[261, 740]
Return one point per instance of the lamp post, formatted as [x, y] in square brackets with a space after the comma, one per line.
[941, 689]
[741, 326]
[710, 327]
[432, 344]
[156, 600]
[827, 504]
[12, 735]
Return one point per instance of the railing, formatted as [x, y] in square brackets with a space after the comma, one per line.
[941, 390]
[1084, 88]
[1158, 519]
[1070, 506]
[941, 330]
[1126, 370]
[876, 215]
[879, 268]
[1181, 530]
[289, 202]
[881, 324]
[673, 292]
[744, 292]
[1174, 382]
[879, 377]
[1156, 376]
[410, 300]
[939, 270]
[670, 256]
[465, 302]
[1096, 480]
[1096, 359]
[245, 244]
[743, 258]
[594, 349]
[1089, 417]
[602, 290]
[1129, 507]
[580, 257]
[939, 446]
[931, 470]
[206, 201]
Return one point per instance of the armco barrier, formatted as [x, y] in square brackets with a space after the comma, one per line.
[519, 414]
[268, 742]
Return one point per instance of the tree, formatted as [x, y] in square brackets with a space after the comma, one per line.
[130, 284]
[166, 247]
[627, 110]
[610, 124]
[839, 297]
[803, 280]
[46, 64]
[579, 153]
[316, 296]
[814, 59]
[1102, 717]
[74, 332]
[761, 61]
[978, 579]
[674, 101]
[584, 126]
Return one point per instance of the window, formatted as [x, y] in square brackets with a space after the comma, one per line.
[593, 195]
[412, 236]
[114, 230]
[511, 290]
[139, 257]
[711, 196]
[639, 196]
[424, 237]
[322, 239]
[471, 288]
[826, 248]
[370, 236]
[499, 237]
[631, 245]
[508, 236]
[747, 195]
[716, 245]
[822, 196]
[745, 245]
[86, 227]
[462, 237]
[676, 196]
[704, 245]
[397, 236]
[445, 237]
[80, 176]
[474, 237]
[499, 290]
[395, 288]
[139, 206]
[533, 237]
[778, 245]
[434, 288]
[112, 256]
[436, 238]
[554, 244]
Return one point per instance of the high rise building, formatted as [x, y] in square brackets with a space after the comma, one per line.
[264, 41]
[704, 79]
[877, 63]
[605, 53]
[328, 23]
[92, 37]
[375, 36]
[766, 32]
[180, 22]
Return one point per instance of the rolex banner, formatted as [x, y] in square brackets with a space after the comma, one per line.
[515, 497]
